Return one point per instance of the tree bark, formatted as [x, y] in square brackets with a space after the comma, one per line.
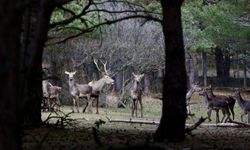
[10, 32]
[204, 67]
[147, 84]
[222, 59]
[32, 63]
[219, 62]
[174, 113]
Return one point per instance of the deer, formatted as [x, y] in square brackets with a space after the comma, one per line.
[54, 92]
[50, 95]
[194, 88]
[214, 104]
[98, 85]
[228, 99]
[136, 94]
[78, 91]
[45, 101]
[244, 105]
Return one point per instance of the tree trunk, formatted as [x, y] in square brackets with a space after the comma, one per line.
[147, 84]
[174, 113]
[222, 59]
[219, 62]
[32, 64]
[195, 69]
[204, 67]
[118, 81]
[10, 33]
[238, 66]
[245, 74]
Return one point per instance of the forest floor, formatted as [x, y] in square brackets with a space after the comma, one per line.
[80, 135]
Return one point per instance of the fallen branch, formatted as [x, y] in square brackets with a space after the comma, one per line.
[240, 124]
[134, 121]
[194, 126]
[189, 128]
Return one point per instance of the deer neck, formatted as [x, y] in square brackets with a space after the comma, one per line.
[72, 84]
[207, 98]
[136, 85]
[98, 85]
[241, 101]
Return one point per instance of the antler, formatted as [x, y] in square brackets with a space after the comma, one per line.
[96, 64]
[104, 66]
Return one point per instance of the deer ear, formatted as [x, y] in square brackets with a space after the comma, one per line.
[133, 74]
[66, 72]
[142, 75]
[74, 72]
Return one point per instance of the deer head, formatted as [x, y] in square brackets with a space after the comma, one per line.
[108, 79]
[71, 75]
[138, 78]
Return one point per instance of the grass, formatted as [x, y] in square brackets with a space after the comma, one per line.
[127, 134]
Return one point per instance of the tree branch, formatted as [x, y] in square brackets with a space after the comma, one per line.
[108, 22]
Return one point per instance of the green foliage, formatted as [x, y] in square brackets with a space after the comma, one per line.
[99, 122]
[210, 25]
[75, 8]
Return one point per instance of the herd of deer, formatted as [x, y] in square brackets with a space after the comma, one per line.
[220, 102]
[93, 89]
[88, 91]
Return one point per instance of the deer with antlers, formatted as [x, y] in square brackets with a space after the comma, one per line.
[136, 93]
[98, 85]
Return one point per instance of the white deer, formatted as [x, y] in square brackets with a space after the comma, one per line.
[99, 84]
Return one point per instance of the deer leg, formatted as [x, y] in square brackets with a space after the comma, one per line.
[232, 111]
[136, 107]
[49, 107]
[77, 101]
[141, 108]
[74, 105]
[58, 103]
[228, 115]
[217, 116]
[90, 105]
[97, 103]
[241, 116]
[88, 99]
[133, 107]
[84, 109]
[209, 114]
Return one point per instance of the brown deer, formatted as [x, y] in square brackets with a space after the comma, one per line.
[136, 94]
[45, 101]
[54, 92]
[78, 91]
[50, 96]
[98, 85]
[194, 88]
[229, 100]
[215, 104]
[244, 105]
